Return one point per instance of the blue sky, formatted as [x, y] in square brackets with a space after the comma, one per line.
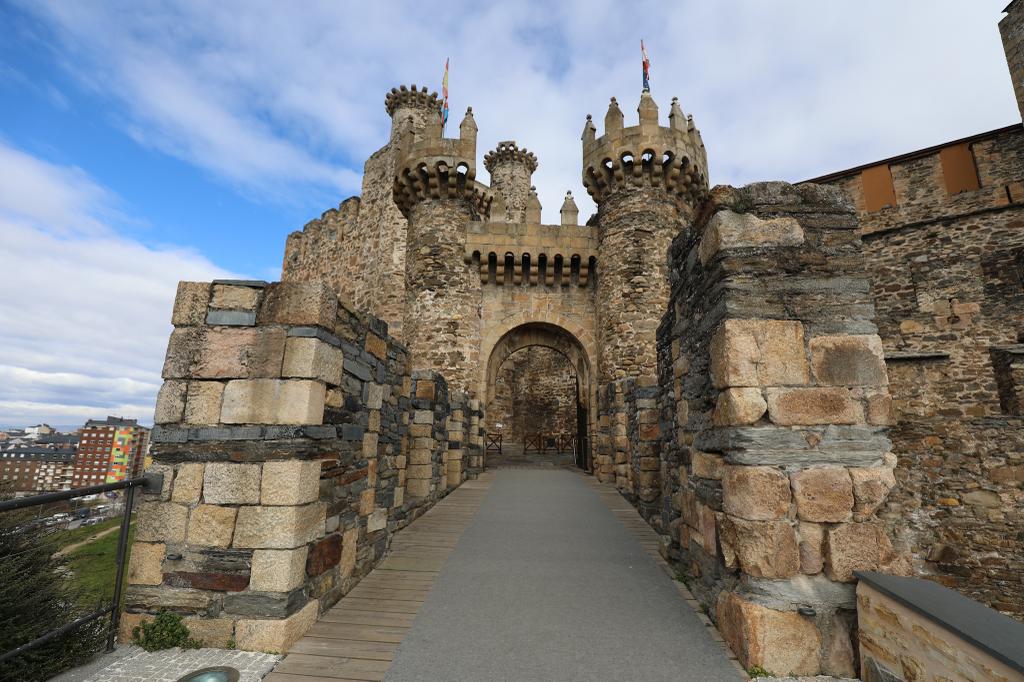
[143, 143]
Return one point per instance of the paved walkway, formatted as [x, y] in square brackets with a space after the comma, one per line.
[521, 575]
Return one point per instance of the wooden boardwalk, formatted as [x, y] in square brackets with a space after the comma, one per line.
[358, 637]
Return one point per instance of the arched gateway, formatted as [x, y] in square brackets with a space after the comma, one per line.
[542, 408]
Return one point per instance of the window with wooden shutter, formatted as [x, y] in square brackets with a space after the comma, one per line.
[878, 189]
[959, 169]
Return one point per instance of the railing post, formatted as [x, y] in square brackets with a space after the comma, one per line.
[122, 552]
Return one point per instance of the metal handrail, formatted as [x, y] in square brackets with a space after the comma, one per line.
[151, 482]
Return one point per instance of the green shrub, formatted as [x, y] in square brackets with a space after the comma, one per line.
[164, 632]
[758, 671]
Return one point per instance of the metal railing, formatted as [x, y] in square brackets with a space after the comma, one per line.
[152, 482]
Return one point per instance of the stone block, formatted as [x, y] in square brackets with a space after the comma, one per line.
[848, 360]
[290, 482]
[374, 396]
[376, 346]
[370, 441]
[179, 599]
[367, 501]
[757, 493]
[311, 358]
[349, 545]
[183, 346]
[128, 622]
[808, 406]
[170, 402]
[418, 487]
[278, 570]
[231, 483]
[211, 632]
[216, 581]
[146, 562]
[229, 297]
[276, 636]
[378, 520]
[423, 417]
[323, 555]
[871, 485]
[239, 353]
[739, 406]
[880, 410]
[707, 465]
[812, 547]
[763, 549]
[783, 642]
[271, 401]
[188, 482]
[211, 526]
[203, 402]
[161, 522]
[758, 353]
[425, 389]
[190, 304]
[299, 303]
[730, 230]
[823, 494]
[279, 527]
[853, 547]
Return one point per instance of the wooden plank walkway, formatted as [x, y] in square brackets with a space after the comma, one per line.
[358, 637]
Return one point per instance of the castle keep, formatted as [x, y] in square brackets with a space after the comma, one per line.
[791, 383]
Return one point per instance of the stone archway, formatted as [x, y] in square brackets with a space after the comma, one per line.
[556, 338]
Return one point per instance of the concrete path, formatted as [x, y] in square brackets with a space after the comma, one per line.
[548, 584]
[524, 574]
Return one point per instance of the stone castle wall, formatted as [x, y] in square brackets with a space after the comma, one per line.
[294, 441]
[774, 404]
[948, 286]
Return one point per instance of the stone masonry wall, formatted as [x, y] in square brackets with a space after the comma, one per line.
[948, 288]
[322, 251]
[288, 431]
[774, 410]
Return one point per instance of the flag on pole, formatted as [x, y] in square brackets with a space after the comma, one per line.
[647, 67]
[444, 94]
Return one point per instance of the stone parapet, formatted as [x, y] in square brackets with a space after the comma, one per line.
[286, 431]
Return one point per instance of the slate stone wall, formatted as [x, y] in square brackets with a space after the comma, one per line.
[774, 409]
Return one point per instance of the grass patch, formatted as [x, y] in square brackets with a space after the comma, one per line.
[69, 537]
[95, 565]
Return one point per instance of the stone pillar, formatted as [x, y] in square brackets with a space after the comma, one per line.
[777, 454]
[646, 181]
[436, 191]
[511, 168]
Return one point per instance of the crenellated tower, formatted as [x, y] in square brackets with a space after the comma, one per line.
[436, 190]
[511, 169]
[647, 181]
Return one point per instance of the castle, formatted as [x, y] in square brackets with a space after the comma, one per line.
[792, 383]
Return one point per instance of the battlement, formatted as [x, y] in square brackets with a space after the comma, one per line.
[532, 254]
[509, 152]
[411, 98]
[647, 154]
[431, 166]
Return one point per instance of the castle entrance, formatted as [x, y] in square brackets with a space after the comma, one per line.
[539, 390]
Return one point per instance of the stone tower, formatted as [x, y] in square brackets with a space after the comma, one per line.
[1011, 28]
[436, 190]
[646, 181]
[511, 168]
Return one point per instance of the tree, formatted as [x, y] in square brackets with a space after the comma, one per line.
[36, 597]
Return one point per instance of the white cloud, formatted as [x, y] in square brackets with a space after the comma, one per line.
[278, 99]
[84, 311]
